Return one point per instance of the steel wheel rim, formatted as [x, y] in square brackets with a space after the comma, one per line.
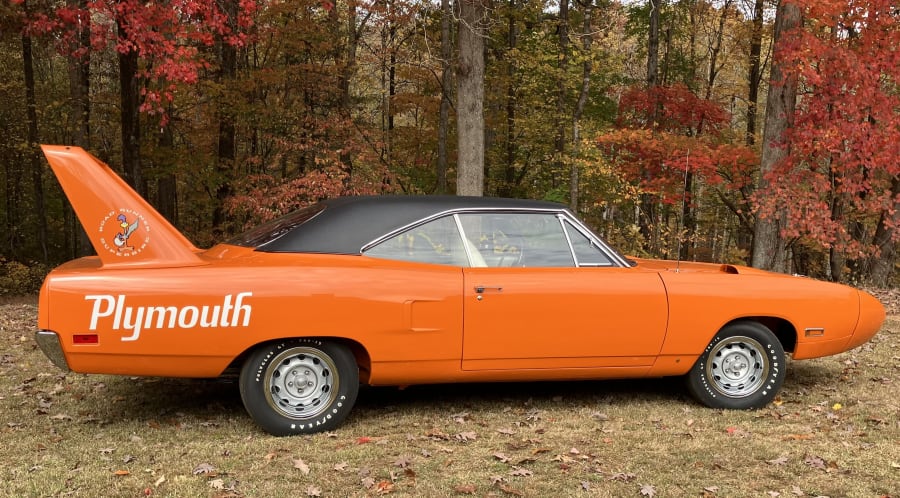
[301, 383]
[737, 366]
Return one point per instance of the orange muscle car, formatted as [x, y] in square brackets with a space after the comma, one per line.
[400, 290]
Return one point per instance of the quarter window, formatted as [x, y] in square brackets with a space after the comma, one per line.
[586, 250]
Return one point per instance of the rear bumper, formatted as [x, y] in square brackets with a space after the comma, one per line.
[50, 345]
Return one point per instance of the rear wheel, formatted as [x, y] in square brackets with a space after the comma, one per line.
[299, 386]
[743, 367]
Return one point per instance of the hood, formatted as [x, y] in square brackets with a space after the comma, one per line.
[689, 266]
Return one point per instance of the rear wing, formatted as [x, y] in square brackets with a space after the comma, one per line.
[124, 229]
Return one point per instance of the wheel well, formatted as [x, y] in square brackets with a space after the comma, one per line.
[363, 360]
[783, 329]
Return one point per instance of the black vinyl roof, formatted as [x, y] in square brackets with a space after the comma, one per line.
[345, 224]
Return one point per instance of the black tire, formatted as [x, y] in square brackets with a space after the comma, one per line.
[299, 386]
[742, 368]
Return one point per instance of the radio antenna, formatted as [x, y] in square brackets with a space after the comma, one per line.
[687, 165]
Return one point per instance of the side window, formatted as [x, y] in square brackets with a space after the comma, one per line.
[586, 251]
[437, 242]
[517, 239]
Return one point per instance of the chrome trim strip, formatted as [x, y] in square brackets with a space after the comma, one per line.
[462, 233]
[562, 224]
[561, 213]
[605, 249]
[50, 345]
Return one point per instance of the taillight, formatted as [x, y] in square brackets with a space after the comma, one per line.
[85, 339]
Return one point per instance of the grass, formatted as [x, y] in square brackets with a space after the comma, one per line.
[834, 431]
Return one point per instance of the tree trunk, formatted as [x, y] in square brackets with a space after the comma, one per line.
[346, 75]
[647, 212]
[883, 265]
[37, 178]
[129, 101]
[444, 124]
[769, 250]
[753, 78]
[13, 188]
[836, 260]
[562, 68]
[470, 98]
[512, 40]
[586, 70]
[388, 59]
[714, 52]
[79, 69]
[688, 221]
[225, 153]
[653, 45]
[166, 185]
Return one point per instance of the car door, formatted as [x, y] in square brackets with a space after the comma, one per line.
[531, 307]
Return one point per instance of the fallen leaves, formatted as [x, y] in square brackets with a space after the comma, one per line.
[623, 477]
[587, 444]
[820, 463]
[203, 468]
[521, 472]
[737, 432]
[797, 437]
[465, 489]
[466, 436]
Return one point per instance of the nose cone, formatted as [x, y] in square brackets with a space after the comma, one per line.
[871, 316]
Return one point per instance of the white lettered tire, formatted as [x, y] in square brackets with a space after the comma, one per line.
[743, 367]
[299, 386]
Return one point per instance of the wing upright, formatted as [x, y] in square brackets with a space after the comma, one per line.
[124, 229]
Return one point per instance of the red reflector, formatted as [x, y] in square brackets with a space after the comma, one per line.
[85, 339]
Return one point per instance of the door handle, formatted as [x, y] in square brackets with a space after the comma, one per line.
[479, 289]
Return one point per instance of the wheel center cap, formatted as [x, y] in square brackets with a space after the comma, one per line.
[735, 366]
[301, 382]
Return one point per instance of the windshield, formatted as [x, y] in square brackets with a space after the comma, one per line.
[272, 230]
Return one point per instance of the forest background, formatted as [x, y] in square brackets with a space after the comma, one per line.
[740, 131]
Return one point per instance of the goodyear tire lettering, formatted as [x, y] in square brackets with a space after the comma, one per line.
[337, 371]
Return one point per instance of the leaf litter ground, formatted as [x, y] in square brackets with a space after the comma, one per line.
[834, 431]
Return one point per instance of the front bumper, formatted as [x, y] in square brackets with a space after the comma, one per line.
[50, 345]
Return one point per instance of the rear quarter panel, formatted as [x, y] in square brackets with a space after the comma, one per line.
[400, 313]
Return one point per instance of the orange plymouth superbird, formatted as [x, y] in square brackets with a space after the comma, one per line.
[402, 290]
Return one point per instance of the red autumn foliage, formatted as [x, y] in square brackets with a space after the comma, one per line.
[845, 140]
[686, 138]
[167, 36]
[676, 108]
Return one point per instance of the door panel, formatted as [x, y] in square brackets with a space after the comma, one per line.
[562, 317]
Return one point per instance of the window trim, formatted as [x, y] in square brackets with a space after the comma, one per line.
[562, 215]
[612, 262]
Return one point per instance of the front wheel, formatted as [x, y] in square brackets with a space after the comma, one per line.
[299, 386]
[742, 368]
